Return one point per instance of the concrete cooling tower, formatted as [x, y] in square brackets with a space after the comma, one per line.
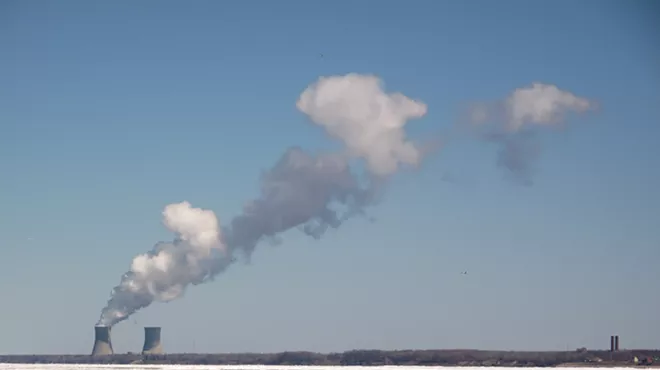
[152, 344]
[102, 343]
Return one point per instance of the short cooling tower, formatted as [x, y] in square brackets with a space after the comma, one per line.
[102, 343]
[152, 344]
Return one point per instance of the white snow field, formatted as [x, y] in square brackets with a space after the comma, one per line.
[254, 367]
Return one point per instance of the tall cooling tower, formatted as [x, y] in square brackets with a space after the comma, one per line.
[152, 344]
[102, 343]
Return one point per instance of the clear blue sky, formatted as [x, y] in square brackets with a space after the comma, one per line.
[111, 110]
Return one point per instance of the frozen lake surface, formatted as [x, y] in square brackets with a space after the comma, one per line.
[254, 367]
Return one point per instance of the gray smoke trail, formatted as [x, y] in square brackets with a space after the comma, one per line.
[510, 123]
[300, 190]
[518, 154]
[312, 193]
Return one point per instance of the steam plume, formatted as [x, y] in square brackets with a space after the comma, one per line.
[511, 123]
[164, 272]
[314, 193]
[305, 191]
[355, 109]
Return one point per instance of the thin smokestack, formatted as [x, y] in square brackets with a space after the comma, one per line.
[616, 342]
[152, 344]
[102, 342]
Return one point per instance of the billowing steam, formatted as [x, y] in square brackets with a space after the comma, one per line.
[317, 192]
[164, 273]
[310, 192]
[511, 122]
[355, 109]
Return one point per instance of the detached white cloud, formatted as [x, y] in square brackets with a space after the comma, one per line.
[501, 122]
[543, 105]
[537, 104]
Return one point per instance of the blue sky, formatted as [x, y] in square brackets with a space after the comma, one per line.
[111, 110]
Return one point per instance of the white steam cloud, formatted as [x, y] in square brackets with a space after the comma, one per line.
[163, 273]
[310, 192]
[355, 109]
[198, 227]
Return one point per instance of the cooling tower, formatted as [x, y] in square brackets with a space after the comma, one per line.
[102, 343]
[152, 344]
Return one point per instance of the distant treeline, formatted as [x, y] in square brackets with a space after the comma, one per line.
[355, 357]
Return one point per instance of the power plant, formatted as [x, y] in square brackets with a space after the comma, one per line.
[102, 343]
[152, 344]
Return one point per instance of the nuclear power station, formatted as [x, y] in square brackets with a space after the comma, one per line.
[102, 343]
[152, 344]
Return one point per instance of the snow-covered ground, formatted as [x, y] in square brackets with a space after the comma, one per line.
[249, 367]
